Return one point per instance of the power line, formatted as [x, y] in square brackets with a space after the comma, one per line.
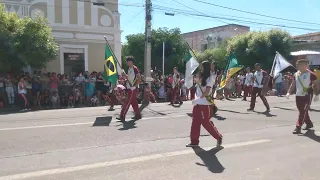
[183, 12]
[253, 13]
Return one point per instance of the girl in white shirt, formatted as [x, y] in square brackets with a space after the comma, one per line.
[22, 94]
[202, 108]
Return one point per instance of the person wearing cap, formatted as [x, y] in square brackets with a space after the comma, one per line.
[175, 87]
[247, 84]
[258, 81]
[133, 80]
[302, 82]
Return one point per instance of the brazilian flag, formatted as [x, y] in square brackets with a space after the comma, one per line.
[232, 68]
[110, 73]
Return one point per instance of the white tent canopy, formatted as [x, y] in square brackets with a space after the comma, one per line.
[300, 53]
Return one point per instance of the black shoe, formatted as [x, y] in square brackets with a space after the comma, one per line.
[137, 117]
[244, 99]
[268, 110]
[219, 142]
[111, 108]
[297, 130]
[192, 145]
[121, 118]
[308, 126]
[250, 109]
[181, 103]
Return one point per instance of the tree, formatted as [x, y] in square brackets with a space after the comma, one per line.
[175, 49]
[25, 41]
[260, 47]
[217, 54]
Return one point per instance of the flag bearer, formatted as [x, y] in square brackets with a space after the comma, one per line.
[133, 79]
[213, 76]
[201, 114]
[303, 81]
[258, 81]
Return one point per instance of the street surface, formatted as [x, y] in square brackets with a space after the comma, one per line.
[90, 144]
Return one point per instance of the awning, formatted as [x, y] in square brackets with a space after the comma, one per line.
[300, 53]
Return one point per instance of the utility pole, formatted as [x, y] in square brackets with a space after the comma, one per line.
[147, 52]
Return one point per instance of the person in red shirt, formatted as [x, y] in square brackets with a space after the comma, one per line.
[133, 80]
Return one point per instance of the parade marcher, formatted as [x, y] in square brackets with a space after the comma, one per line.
[175, 87]
[213, 76]
[133, 80]
[258, 82]
[247, 87]
[201, 114]
[303, 81]
[110, 97]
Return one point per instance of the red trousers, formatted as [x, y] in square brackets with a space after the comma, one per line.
[247, 91]
[254, 93]
[175, 92]
[201, 116]
[131, 100]
[192, 93]
[303, 104]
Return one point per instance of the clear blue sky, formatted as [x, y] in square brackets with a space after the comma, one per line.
[132, 17]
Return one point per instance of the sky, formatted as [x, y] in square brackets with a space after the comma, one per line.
[133, 15]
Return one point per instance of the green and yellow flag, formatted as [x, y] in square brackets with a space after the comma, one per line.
[232, 68]
[110, 73]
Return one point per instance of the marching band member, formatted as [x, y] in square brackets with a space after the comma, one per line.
[303, 81]
[247, 84]
[202, 108]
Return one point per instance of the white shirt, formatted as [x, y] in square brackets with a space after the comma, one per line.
[258, 75]
[278, 78]
[132, 72]
[306, 81]
[241, 79]
[175, 81]
[248, 81]
[21, 91]
[202, 101]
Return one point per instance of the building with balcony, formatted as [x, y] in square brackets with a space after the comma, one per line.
[79, 28]
[209, 38]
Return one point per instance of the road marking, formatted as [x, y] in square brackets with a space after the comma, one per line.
[76, 124]
[121, 162]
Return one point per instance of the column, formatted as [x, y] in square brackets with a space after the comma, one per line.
[66, 12]
[50, 11]
[94, 15]
[80, 13]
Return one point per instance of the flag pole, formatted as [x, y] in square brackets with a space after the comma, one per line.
[192, 50]
[163, 49]
[112, 52]
[274, 61]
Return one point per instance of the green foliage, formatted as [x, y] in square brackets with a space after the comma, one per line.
[217, 54]
[175, 49]
[24, 42]
[260, 47]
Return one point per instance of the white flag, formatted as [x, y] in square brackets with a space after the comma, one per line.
[279, 64]
[191, 66]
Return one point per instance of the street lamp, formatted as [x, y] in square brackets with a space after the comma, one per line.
[169, 14]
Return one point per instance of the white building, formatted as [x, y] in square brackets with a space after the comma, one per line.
[79, 27]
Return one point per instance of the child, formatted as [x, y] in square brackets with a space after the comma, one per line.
[55, 100]
[94, 101]
[228, 88]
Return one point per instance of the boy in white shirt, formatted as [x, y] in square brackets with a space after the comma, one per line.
[303, 81]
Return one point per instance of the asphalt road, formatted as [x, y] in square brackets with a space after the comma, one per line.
[90, 144]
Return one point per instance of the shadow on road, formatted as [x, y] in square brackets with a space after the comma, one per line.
[219, 118]
[102, 121]
[287, 109]
[128, 125]
[209, 159]
[314, 110]
[232, 111]
[266, 113]
[311, 134]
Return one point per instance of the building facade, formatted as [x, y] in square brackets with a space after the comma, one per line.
[79, 28]
[209, 38]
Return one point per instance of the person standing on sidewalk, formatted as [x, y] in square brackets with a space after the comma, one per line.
[278, 82]
[258, 81]
[303, 81]
[133, 80]
[201, 113]
[175, 92]
[247, 87]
